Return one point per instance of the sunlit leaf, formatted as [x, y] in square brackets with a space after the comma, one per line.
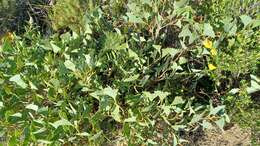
[208, 30]
[32, 107]
[246, 19]
[116, 114]
[70, 65]
[62, 122]
[18, 80]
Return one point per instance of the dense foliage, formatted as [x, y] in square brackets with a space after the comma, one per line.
[130, 72]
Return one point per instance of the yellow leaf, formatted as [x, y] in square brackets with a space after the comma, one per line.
[213, 52]
[212, 67]
[207, 43]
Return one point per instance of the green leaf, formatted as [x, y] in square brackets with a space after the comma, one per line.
[255, 23]
[18, 80]
[32, 86]
[246, 19]
[62, 122]
[208, 30]
[70, 65]
[55, 48]
[32, 107]
[40, 131]
[185, 32]
[214, 111]
[96, 136]
[133, 18]
[131, 78]
[148, 95]
[157, 48]
[162, 95]
[253, 88]
[88, 29]
[233, 30]
[19, 115]
[132, 54]
[255, 78]
[44, 141]
[116, 114]
[131, 119]
[180, 3]
[220, 123]
[149, 141]
[178, 100]
[234, 91]
[169, 51]
[196, 118]
[166, 110]
[110, 92]
[1, 104]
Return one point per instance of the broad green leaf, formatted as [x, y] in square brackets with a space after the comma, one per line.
[132, 78]
[166, 110]
[132, 54]
[162, 95]
[149, 95]
[169, 51]
[256, 23]
[133, 18]
[182, 60]
[1, 104]
[178, 100]
[233, 30]
[253, 88]
[19, 115]
[32, 107]
[220, 123]
[18, 80]
[180, 3]
[208, 30]
[185, 32]
[234, 91]
[110, 92]
[157, 48]
[253, 77]
[196, 118]
[62, 122]
[116, 114]
[246, 19]
[70, 65]
[88, 29]
[214, 111]
[55, 48]
[175, 67]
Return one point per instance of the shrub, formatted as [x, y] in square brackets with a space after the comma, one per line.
[133, 72]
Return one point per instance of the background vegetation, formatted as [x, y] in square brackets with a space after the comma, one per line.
[137, 72]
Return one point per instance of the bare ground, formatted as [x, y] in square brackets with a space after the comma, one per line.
[232, 136]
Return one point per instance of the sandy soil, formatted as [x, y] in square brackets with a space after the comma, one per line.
[233, 136]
